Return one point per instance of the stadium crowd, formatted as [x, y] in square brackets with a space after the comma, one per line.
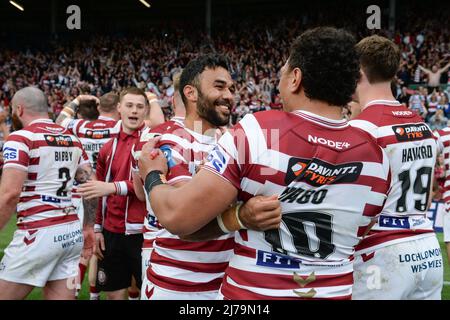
[126, 67]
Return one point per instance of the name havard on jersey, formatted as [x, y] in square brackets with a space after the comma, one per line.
[51, 155]
[332, 181]
[412, 150]
[93, 134]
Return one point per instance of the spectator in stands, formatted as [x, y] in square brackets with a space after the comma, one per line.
[438, 121]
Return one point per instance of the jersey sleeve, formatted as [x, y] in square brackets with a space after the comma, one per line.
[73, 125]
[84, 158]
[176, 162]
[16, 150]
[229, 158]
[439, 142]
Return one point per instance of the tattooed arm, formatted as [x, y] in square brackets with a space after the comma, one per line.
[85, 173]
[71, 108]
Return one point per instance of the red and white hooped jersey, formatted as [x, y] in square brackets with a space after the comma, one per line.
[176, 264]
[331, 179]
[412, 150]
[51, 155]
[150, 223]
[444, 146]
[93, 134]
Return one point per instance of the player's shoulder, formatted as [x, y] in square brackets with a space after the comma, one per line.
[268, 120]
[384, 114]
[174, 133]
[443, 132]
[168, 127]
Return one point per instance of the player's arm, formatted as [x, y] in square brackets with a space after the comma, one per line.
[214, 193]
[260, 213]
[68, 112]
[10, 189]
[156, 115]
[70, 109]
[138, 186]
[98, 225]
[84, 174]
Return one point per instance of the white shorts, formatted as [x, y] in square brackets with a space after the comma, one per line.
[153, 292]
[410, 270]
[446, 220]
[146, 253]
[36, 256]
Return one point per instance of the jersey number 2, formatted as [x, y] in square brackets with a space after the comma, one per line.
[63, 173]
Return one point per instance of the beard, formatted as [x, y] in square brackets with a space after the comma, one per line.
[206, 109]
[16, 123]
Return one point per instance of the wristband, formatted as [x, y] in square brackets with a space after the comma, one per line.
[221, 225]
[153, 100]
[153, 179]
[228, 221]
[238, 208]
[67, 112]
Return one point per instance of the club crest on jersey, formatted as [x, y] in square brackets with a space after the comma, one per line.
[412, 132]
[10, 153]
[317, 173]
[167, 151]
[58, 141]
[98, 134]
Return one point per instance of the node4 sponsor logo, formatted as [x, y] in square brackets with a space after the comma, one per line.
[340, 145]
[317, 172]
[402, 113]
[412, 132]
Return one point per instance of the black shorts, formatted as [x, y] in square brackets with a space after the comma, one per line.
[122, 259]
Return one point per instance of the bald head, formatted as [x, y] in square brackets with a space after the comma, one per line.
[31, 99]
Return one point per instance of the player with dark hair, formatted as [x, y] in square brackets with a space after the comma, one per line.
[403, 229]
[180, 268]
[309, 157]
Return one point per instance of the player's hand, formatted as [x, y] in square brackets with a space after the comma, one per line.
[261, 213]
[89, 242]
[96, 189]
[152, 158]
[99, 245]
[151, 96]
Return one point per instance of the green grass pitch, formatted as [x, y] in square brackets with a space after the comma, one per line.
[7, 233]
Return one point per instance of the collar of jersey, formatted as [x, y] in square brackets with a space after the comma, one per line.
[321, 120]
[393, 103]
[44, 120]
[105, 118]
[202, 138]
